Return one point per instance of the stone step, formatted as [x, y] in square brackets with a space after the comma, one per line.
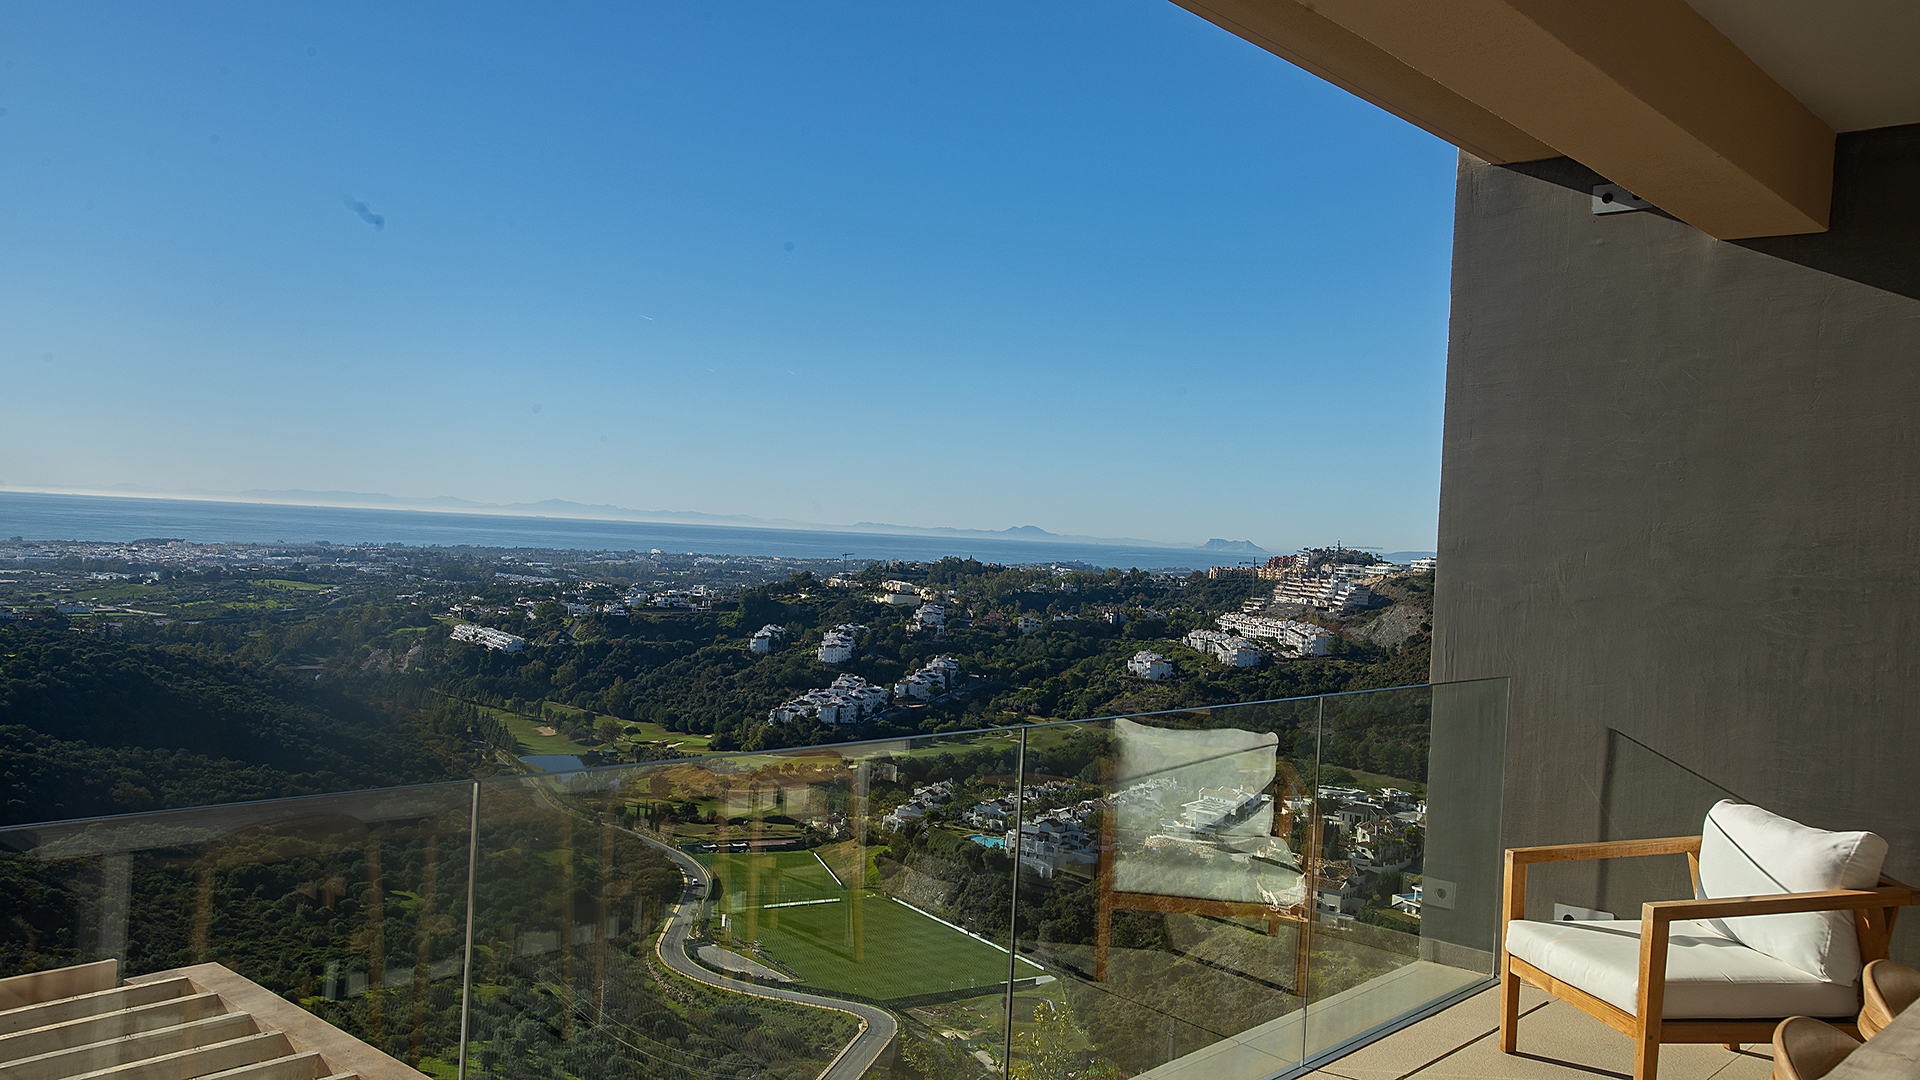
[131, 1049]
[60, 1010]
[195, 1062]
[302, 1066]
[197, 1023]
[38, 986]
[108, 1025]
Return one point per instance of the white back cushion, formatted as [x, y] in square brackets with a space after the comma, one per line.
[1746, 851]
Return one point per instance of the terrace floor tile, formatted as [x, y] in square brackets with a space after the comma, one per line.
[1557, 1042]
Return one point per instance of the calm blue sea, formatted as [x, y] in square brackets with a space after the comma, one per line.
[98, 517]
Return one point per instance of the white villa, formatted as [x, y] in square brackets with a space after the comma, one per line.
[767, 638]
[1149, 665]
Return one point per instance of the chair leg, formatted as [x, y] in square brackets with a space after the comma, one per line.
[1735, 1047]
[1509, 1009]
[1646, 1054]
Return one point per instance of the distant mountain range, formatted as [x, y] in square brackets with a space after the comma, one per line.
[607, 511]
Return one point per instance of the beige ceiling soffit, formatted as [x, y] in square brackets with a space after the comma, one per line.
[1645, 92]
[1297, 35]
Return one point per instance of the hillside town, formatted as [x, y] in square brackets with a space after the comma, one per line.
[838, 649]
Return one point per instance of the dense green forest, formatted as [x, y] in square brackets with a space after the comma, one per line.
[102, 726]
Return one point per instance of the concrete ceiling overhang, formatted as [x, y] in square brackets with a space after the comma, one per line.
[1649, 93]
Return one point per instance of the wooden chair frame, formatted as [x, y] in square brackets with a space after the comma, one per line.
[1873, 910]
[1286, 782]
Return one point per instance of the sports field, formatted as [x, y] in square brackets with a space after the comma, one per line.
[777, 877]
[864, 943]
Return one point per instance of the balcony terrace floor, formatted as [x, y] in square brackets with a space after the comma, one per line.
[1557, 1042]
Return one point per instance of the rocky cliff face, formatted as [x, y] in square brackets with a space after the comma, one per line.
[1395, 625]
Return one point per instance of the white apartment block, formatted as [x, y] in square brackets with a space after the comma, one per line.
[924, 798]
[919, 686]
[900, 816]
[1347, 596]
[936, 677]
[767, 638]
[1029, 623]
[1053, 840]
[992, 815]
[1149, 665]
[849, 700]
[489, 637]
[1296, 638]
[1328, 592]
[1229, 649]
[929, 617]
[1217, 810]
[837, 644]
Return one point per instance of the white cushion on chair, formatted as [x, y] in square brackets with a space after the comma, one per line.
[1746, 851]
[1709, 975]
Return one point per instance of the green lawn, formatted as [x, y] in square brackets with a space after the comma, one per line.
[532, 742]
[894, 951]
[637, 731]
[783, 876]
[641, 731]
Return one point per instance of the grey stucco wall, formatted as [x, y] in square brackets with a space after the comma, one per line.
[1680, 508]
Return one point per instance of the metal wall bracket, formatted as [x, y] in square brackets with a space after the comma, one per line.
[1614, 199]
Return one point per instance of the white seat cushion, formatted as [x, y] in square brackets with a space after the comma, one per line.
[1746, 851]
[1709, 975]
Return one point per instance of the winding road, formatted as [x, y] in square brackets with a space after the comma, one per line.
[877, 1029]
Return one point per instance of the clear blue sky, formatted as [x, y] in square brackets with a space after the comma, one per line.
[1100, 267]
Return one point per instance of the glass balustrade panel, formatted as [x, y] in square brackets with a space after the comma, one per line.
[1162, 889]
[351, 905]
[746, 914]
[1229, 891]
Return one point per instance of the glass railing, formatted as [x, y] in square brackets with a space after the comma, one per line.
[1228, 892]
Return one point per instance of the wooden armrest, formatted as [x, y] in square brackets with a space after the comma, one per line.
[1656, 919]
[1606, 849]
[1513, 902]
[1728, 907]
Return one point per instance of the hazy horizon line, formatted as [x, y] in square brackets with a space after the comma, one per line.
[451, 504]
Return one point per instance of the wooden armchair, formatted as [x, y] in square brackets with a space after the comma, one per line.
[1683, 973]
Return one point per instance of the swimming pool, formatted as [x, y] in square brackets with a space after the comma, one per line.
[988, 841]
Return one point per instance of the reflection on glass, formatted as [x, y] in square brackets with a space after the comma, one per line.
[1371, 840]
[1207, 793]
[1261, 882]
[351, 905]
